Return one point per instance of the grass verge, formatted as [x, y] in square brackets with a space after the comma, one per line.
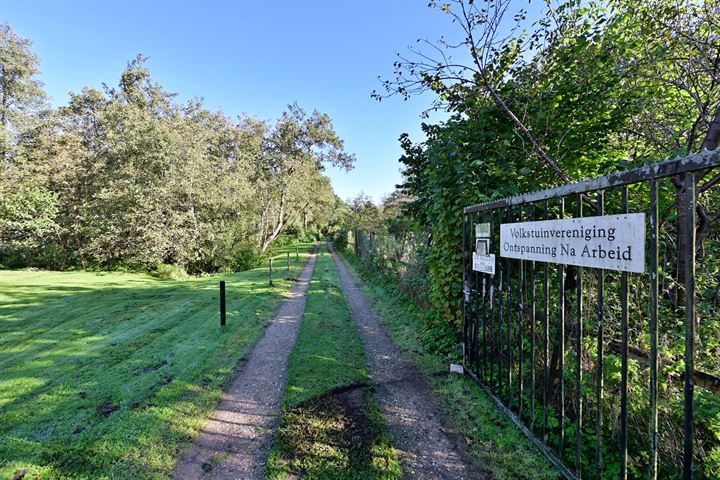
[495, 442]
[331, 426]
[110, 375]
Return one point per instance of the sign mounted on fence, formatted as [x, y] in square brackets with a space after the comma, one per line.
[482, 230]
[484, 263]
[610, 242]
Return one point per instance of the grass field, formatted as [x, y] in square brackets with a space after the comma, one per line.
[109, 375]
[332, 427]
[497, 444]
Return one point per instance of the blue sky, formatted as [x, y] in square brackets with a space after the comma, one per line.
[251, 57]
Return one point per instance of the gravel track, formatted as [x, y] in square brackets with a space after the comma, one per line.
[422, 436]
[235, 441]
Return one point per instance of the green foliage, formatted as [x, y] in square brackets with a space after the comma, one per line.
[21, 94]
[27, 215]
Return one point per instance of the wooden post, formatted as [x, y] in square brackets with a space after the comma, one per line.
[297, 254]
[222, 303]
[271, 284]
[288, 260]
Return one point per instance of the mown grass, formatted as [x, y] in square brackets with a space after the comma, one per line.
[110, 375]
[332, 427]
[497, 444]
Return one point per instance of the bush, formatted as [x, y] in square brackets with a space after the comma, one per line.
[245, 257]
[164, 271]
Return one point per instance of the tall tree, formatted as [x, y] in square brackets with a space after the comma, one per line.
[21, 92]
[296, 151]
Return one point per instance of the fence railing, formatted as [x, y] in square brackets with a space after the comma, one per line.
[594, 355]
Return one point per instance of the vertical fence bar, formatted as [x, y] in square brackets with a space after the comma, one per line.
[600, 345]
[532, 332]
[521, 332]
[270, 273]
[476, 304]
[288, 260]
[653, 426]
[465, 286]
[500, 293]
[578, 371]
[561, 347]
[492, 356]
[484, 315]
[509, 315]
[689, 254]
[624, 356]
[546, 346]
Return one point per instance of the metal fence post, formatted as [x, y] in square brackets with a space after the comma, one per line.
[222, 303]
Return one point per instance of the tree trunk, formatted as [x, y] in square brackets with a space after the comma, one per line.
[278, 227]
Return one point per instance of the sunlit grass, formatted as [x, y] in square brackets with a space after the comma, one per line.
[109, 375]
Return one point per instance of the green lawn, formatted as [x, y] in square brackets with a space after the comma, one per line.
[331, 427]
[497, 444]
[109, 375]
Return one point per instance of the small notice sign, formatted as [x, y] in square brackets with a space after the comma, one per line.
[611, 242]
[482, 230]
[484, 263]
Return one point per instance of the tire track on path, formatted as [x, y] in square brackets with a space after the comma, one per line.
[235, 440]
[425, 448]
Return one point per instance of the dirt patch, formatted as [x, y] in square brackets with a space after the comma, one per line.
[20, 474]
[153, 368]
[107, 408]
[334, 432]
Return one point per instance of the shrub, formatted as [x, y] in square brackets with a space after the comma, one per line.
[165, 271]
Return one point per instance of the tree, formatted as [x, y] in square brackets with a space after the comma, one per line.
[296, 151]
[21, 93]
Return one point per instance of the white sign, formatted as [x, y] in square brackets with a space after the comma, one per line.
[611, 242]
[482, 230]
[484, 263]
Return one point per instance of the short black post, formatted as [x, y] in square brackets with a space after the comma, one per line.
[271, 284]
[288, 260]
[297, 254]
[222, 303]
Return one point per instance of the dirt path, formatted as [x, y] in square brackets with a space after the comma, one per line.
[426, 450]
[235, 440]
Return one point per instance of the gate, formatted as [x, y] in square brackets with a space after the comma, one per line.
[595, 359]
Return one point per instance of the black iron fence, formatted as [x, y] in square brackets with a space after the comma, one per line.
[595, 359]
